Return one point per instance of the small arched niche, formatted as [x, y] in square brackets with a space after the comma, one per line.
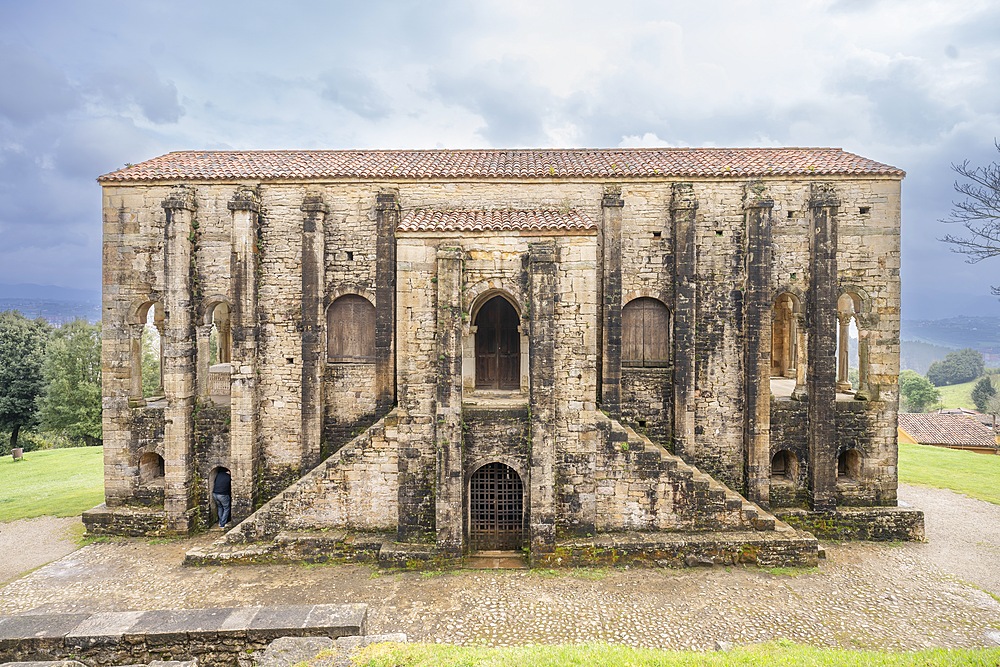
[849, 466]
[784, 466]
[151, 469]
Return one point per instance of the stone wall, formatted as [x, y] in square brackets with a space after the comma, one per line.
[252, 246]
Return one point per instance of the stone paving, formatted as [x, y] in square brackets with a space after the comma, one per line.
[865, 595]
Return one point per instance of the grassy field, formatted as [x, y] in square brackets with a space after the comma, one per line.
[960, 395]
[56, 482]
[975, 475]
[775, 653]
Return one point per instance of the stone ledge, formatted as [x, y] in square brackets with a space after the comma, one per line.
[214, 636]
[875, 524]
[783, 547]
[125, 521]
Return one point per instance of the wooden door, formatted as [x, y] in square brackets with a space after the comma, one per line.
[498, 346]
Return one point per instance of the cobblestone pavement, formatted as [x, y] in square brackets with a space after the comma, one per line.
[894, 596]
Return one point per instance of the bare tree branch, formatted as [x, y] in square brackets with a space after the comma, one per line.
[978, 212]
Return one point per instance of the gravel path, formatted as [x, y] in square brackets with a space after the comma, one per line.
[30, 543]
[865, 595]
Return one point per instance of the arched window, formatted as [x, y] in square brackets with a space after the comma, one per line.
[645, 333]
[350, 329]
[147, 353]
[848, 343]
[498, 345]
[849, 465]
[784, 336]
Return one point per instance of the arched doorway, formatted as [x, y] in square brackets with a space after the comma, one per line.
[498, 346]
[496, 509]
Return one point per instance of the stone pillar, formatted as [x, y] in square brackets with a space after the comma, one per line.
[225, 342]
[611, 367]
[244, 403]
[843, 343]
[791, 351]
[542, 277]
[800, 393]
[313, 282]
[863, 390]
[757, 205]
[203, 333]
[177, 350]
[387, 219]
[448, 419]
[821, 318]
[683, 209]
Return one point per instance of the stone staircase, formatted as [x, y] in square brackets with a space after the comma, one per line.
[651, 507]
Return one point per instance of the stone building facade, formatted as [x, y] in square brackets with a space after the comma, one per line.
[563, 351]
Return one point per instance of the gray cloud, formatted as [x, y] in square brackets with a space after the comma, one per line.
[31, 87]
[139, 84]
[355, 91]
[503, 95]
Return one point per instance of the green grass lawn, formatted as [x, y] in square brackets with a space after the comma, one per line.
[774, 653]
[960, 395]
[55, 482]
[975, 475]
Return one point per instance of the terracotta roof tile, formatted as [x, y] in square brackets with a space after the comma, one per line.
[738, 163]
[500, 220]
[934, 428]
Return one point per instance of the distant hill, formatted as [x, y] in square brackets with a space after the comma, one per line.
[57, 305]
[980, 333]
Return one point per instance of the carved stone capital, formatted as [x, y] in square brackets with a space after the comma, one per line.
[823, 195]
[245, 199]
[683, 197]
[182, 198]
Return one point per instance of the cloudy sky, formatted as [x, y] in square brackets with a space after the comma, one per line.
[87, 86]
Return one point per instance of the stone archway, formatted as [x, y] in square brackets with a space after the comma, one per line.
[496, 509]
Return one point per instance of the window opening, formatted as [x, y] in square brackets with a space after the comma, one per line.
[645, 333]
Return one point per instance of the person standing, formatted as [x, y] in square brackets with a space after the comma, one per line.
[222, 491]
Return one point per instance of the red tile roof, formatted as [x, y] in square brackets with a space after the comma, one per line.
[501, 163]
[934, 428]
[500, 220]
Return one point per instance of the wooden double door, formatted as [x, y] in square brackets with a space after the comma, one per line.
[498, 346]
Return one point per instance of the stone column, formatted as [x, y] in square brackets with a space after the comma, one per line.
[448, 419]
[757, 205]
[791, 351]
[821, 379]
[843, 348]
[177, 350]
[542, 277]
[387, 219]
[313, 282]
[203, 334]
[683, 209]
[800, 393]
[225, 342]
[863, 390]
[611, 367]
[244, 403]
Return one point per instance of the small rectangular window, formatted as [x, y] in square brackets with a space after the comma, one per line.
[656, 235]
[865, 210]
[790, 215]
[718, 232]
[350, 256]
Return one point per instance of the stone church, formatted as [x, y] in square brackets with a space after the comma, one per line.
[621, 355]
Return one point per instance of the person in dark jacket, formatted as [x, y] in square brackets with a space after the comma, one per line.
[222, 491]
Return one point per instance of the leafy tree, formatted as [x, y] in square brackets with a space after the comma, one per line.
[71, 402]
[917, 391]
[957, 367]
[978, 212]
[22, 351]
[982, 393]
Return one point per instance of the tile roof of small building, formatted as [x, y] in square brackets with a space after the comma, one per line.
[934, 428]
[498, 220]
[502, 163]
